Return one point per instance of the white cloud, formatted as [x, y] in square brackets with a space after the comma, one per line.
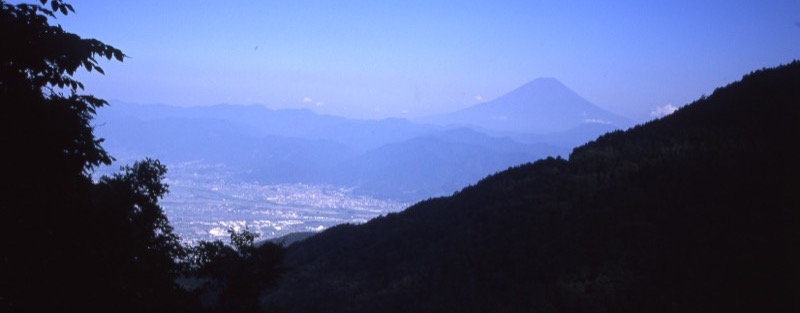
[307, 100]
[586, 119]
[319, 103]
[316, 229]
[664, 110]
[479, 98]
[596, 121]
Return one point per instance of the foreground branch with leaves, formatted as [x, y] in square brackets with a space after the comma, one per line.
[69, 243]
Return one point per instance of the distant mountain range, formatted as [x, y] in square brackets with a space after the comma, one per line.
[392, 158]
[694, 212]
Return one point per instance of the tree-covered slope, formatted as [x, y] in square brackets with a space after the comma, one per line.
[697, 211]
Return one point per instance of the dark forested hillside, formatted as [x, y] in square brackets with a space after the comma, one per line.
[697, 211]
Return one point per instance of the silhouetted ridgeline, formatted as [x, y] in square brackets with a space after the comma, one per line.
[697, 211]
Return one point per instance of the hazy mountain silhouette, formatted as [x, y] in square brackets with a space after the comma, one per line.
[693, 212]
[436, 164]
[543, 105]
[256, 120]
[267, 158]
[391, 158]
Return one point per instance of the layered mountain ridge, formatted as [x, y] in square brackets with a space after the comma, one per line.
[390, 158]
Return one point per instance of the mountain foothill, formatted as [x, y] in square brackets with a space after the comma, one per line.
[693, 212]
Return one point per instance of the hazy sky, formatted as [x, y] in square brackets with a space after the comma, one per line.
[411, 58]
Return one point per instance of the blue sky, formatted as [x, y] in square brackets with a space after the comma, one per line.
[375, 59]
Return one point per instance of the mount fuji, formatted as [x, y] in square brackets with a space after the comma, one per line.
[541, 106]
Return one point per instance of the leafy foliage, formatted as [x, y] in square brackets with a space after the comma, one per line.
[70, 244]
[49, 150]
[40, 95]
[234, 276]
[127, 203]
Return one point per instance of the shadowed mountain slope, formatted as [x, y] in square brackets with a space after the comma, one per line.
[694, 212]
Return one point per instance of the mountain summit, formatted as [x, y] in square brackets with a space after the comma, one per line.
[543, 105]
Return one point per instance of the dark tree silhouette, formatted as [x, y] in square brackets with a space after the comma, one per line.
[41, 102]
[137, 237]
[69, 244]
[49, 149]
[234, 276]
